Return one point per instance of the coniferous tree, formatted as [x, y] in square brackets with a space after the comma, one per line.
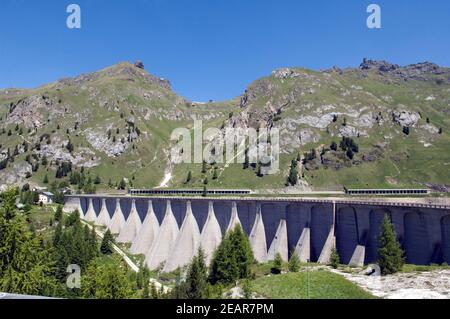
[294, 263]
[259, 170]
[204, 167]
[232, 259]
[107, 279]
[277, 265]
[122, 184]
[196, 284]
[58, 213]
[107, 242]
[335, 259]
[293, 174]
[390, 254]
[189, 177]
[26, 264]
[246, 160]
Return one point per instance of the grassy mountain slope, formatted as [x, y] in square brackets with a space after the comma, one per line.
[119, 121]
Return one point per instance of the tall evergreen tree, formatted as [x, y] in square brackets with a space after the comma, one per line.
[293, 174]
[196, 285]
[390, 253]
[197, 277]
[189, 177]
[59, 213]
[107, 242]
[232, 259]
[26, 264]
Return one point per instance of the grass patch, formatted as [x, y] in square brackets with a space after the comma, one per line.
[418, 268]
[322, 285]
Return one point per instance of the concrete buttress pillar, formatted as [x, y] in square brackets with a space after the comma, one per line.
[147, 234]
[358, 256]
[234, 220]
[258, 238]
[90, 213]
[279, 243]
[303, 247]
[163, 245]
[330, 243]
[211, 235]
[186, 244]
[118, 220]
[103, 218]
[132, 226]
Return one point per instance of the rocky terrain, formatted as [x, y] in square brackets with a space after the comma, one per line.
[116, 123]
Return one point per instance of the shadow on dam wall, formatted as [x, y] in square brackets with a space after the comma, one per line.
[308, 228]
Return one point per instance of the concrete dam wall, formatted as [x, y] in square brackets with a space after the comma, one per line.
[169, 231]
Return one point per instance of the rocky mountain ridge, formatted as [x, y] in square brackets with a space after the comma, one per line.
[117, 122]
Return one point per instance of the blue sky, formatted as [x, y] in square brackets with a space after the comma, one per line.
[213, 49]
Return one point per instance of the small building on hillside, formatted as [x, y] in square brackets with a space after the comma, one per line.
[46, 198]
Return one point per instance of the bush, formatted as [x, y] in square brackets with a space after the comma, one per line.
[335, 259]
[294, 263]
[277, 265]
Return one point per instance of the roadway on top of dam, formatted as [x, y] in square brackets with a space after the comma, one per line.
[438, 203]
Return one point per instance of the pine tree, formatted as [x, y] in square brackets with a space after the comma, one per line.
[232, 259]
[196, 281]
[189, 177]
[335, 259]
[293, 174]
[440, 130]
[246, 160]
[277, 265]
[107, 242]
[215, 174]
[58, 213]
[97, 180]
[390, 253]
[294, 263]
[204, 167]
[26, 264]
[122, 184]
[70, 146]
[259, 170]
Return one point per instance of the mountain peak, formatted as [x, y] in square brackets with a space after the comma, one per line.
[122, 70]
